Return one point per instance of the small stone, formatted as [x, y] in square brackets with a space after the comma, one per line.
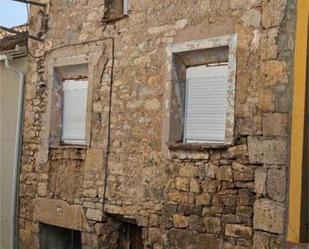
[203, 199]
[90, 193]
[196, 223]
[42, 189]
[237, 151]
[212, 225]
[94, 214]
[182, 184]
[194, 186]
[210, 170]
[225, 173]
[238, 231]
[181, 197]
[152, 104]
[180, 221]
[252, 18]
[245, 198]
[244, 211]
[242, 172]
[189, 171]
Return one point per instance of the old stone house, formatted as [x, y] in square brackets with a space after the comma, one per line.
[160, 124]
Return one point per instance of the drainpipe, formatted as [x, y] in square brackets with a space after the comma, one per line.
[17, 154]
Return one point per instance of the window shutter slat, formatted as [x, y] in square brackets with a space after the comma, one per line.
[74, 111]
[206, 104]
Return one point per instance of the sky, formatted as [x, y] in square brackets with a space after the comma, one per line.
[12, 13]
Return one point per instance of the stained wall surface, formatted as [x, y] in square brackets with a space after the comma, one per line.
[232, 197]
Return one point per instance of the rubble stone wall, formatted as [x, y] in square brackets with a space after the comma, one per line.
[199, 197]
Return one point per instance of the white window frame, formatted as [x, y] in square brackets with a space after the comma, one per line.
[229, 41]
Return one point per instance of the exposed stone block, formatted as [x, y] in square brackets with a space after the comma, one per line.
[188, 171]
[260, 181]
[269, 216]
[275, 124]
[245, 198]
[182, 183]
[242, 172]
[273, 72]
[194, 186]
[276, 184]
[238, 231]
[212, 224]
[181, 239]
[225, 173]
[237, 151]
[250, 125]
[94, 214]
[252, 18]
[261, 240]
[244, 211]
[180, 221]
[203, 199]
[181, 197]
[269, 48]
[267, 150]
[210, 170]
[190, 209]
[196, 223]
[273, 12]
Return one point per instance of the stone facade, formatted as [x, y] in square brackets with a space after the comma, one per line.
[232, 197]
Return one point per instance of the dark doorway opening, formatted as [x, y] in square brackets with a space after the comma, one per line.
[53, 237]
[131, 237]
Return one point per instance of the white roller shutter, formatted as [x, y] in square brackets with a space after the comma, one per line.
[74, 111]
[206, 107]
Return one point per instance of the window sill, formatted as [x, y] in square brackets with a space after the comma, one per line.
[68, 146]
[196, 146]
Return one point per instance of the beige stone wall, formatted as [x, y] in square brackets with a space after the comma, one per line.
[232, 197]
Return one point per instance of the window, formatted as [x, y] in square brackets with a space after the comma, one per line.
[70, 106]
[205, 109]
[74, 111]
[116, 9]
[201, 84]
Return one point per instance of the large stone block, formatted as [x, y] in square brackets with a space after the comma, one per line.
[275, 124]
[269, 216]
[59, 213]
[267, 150]
[273, 12]
[276, 184]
